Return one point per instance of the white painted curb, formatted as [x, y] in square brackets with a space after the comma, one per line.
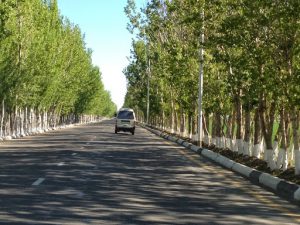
[225, 162]
[209, 154]
[242, 169]
[186, 144]
[171, 138]
[180, 141]
[297, 194]
[195, 148]
[269, 181]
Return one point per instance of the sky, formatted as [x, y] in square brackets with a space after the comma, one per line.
[103, 23]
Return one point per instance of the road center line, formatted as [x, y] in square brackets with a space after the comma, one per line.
[38, 182]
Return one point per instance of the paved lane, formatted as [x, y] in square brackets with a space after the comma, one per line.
[89, 175]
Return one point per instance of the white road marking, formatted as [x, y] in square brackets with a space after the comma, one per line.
[38, 181]
[74, 153]
[61, 164]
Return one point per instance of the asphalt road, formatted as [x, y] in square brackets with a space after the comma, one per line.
[89, 175]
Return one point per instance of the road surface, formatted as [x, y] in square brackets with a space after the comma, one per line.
[90, 175]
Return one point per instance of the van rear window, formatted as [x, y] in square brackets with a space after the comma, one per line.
[125, 115]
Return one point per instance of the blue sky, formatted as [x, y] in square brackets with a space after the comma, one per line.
[104, 24]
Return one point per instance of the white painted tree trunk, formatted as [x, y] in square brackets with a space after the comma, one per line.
[8, 128]
[276, 148]
[240, 145]
[22, 117]
[32, 121]
[234, 145]
[213, 141]
[270, 158]
[18, 123]
[246, 148]
[39, 126]
[257, 149]
[195, 137]
[228, 143]
[291, 155]
[206, 139]
[26, 122]
[251, 148]
[15, 124]
[282, 159]
[217, 140]
[222, 142]
[46, 124]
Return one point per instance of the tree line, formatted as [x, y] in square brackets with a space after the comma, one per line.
[46, 73]
[251, 83]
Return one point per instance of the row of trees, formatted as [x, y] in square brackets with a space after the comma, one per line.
[251, 101]
[46, 73]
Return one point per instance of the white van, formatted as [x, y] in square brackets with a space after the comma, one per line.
[125, 120]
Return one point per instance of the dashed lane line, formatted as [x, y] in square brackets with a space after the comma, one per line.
[38, 182]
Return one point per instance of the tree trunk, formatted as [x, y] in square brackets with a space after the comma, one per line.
[176, 122]
[172, 117]
[213, 130]
[247, 150]
[295, 124]
[205, 129]
[233, 145]
[218, 129]
[2, 120]
[190, 126]
[194, 127]
[239, 124]
[267, 121]
[282, 159]
[182, 122]
[257, 148]
[228, 134]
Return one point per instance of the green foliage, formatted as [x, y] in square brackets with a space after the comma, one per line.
[251, 50]
[44, 62]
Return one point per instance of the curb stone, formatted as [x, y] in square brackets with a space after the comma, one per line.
[179, 141]
[242, 169]
[228, 163]
[297, 194]
[281, 187]
[209, 154]
[195, 148]
[269, 181]
[186, 144]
